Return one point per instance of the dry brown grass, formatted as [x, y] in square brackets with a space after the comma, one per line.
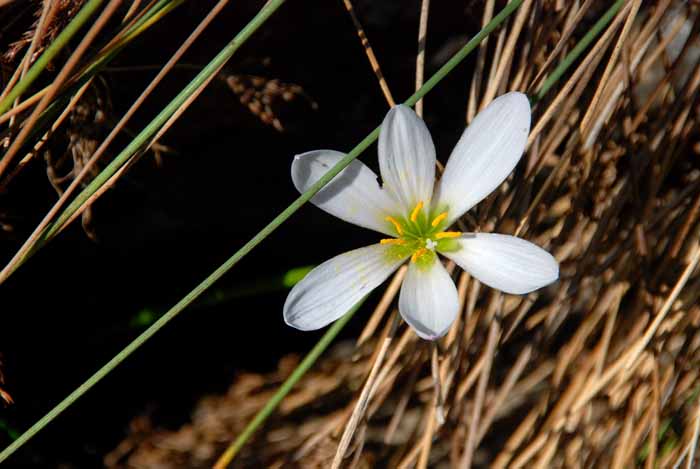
[599, 370]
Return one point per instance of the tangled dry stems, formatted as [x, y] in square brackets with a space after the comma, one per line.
[600, 370]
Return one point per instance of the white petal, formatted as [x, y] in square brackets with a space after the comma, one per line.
[407, 157]
[353, 195]
[332, 288]
[428, 301]
[485, 155]
[505, 263]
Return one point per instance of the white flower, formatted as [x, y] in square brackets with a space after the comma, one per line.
[415, 214]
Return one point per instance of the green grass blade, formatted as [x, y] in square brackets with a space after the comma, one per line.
[152, 16]
[232, 450]
[50, 53]
[262, 16]
[150, 130]
[286, 387]
[283, 216]
[153, 127]
[226, 53]
[581, 46]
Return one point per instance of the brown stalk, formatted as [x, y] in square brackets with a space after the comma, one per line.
[585, 370]
[57, 83]
[592, 107]
[503, 393]
[475, 85]
[21, 70]
[39, 230]
[562, 42]
[382, 306]
[46, 13]
[596, 52]
[626, 362]
[370, 54]
[363, 400]
[472, 436]
[420, 56]
[505, 58]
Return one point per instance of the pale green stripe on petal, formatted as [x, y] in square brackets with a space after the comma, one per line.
[505, 262]
[428, 301]
[354, 195]
[407, 157]
[485, 154]
[332, 288]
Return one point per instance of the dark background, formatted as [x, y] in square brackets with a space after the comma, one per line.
[165, 227]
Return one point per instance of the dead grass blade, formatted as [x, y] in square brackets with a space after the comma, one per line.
[38, 232]
[599, 370]
[63, 75]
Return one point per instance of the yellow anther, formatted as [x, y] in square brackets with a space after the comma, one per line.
[417, 254]
[448, 234]
[392, 241]
[416, 211]
[396, 224]
[439, 219]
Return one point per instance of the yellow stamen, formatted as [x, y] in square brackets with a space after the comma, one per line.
[439, 219]
[416, 211]
[417, 254]
[392, 241]
[396, 224]
[448, 234]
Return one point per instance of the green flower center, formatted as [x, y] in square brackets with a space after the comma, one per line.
[419, 235]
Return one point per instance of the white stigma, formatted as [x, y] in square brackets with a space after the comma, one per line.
[430, 244]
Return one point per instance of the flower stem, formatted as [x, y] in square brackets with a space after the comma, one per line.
[286, 387]
[262, 16]
[226, 53]
[228, 456]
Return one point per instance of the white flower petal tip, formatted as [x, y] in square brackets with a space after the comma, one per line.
[428, 301]
[505, 262]
[485, 154]
[354, 195]
[331, 289]
[406, 157]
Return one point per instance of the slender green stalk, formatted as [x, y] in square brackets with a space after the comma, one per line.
[150, 130]
[578, 49]
[226, 53]
[50, 53]
[156, 13]
[144, 136]
[152, 16]
[277, 221]
[286, 387]
[231, 451]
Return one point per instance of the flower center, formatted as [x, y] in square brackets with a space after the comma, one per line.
[420, 234]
